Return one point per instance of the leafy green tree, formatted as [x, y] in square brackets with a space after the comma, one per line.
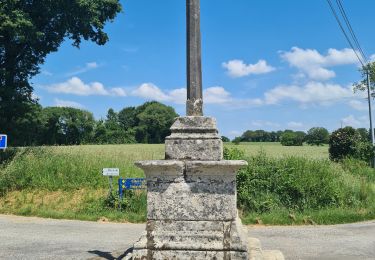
[362, 84]
[365, 134]
[28, 129]
[317, 136]
[29, 31]
[66, 126]
[127, 118]
[225, 139]
[348, 142]
[236, 140]
[155, 120]
[111, 132]
[291, 138]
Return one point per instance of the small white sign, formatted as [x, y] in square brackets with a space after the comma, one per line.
[111, 171]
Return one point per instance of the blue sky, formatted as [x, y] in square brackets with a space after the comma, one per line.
[267, 64]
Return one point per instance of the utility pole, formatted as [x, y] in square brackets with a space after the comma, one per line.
[370, 111]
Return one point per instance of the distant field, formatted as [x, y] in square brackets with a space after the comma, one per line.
[123, 156]
[277, 150]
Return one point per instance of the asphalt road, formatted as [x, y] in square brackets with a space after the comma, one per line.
[36, 238]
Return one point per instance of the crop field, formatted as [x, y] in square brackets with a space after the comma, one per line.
[66, 182]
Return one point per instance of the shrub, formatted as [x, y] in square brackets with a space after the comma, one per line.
[233, 154]
[317, 136]
[299, 184]
[290, 138]
[347, 142]
[225, 139]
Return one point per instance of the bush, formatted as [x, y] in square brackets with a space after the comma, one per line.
[233, 154]
[348, 142]
[225, 139]
[290, 138]
[297, 184]
[317, 136]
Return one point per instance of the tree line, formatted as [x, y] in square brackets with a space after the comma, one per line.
[148, 123]
[314, 136]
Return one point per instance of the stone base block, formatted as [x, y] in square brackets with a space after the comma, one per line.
[191, 190]
[194, 138]
[188, 255]
[193, 236]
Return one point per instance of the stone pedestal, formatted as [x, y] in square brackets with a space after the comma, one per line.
[192, 199]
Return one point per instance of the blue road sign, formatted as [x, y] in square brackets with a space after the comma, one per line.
[130, 184]
[3, 141]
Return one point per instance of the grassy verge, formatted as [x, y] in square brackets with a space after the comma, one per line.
[66, 182]
[83, 204]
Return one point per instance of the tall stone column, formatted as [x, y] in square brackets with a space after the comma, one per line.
[191, 195]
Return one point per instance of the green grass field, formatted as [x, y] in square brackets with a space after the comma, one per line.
[277, 150]
[66, 182]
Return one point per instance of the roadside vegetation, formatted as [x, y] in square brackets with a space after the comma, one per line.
[280, 185]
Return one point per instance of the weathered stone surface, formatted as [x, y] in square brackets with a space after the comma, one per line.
[195, 124]
[191, 190]
[193, 235]
[189, 255]
[194, 138]
[193, 149]
[272, 255]
[194, 104]
[255, 249]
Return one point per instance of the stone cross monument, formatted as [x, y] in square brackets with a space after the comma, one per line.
[194, 104]
[191, 195]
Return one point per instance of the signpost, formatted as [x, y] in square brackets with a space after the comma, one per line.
[3, 141]
[110, 172]
[130, 184]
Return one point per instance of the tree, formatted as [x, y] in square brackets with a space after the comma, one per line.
[155, 119]
[111, 132]
[225, 139]
[127, 118]
[362, 84]
[291, 138]
[29, 31]
[66, 126]
[317, 136]
[348, 142]
[365, 134]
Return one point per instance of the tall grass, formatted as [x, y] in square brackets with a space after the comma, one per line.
[298, 188]
[276, 188]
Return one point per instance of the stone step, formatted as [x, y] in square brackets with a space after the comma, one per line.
[256, 252]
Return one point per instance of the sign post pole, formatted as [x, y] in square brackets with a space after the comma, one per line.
[110, 172]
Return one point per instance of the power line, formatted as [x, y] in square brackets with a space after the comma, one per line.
[343, 13]
[344, 32]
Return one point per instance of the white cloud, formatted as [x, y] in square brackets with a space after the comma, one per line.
[178, 96]
[88, 66]
[295, 125]
[67, 103]
[262, 123]
[120, 92]
[358, 105]
[238, 68]
[151, 92]
[216, 95]
[314, 64]
[76, 86]
[355, 122]
[213, 95]
[372, 57]
[312, 92]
